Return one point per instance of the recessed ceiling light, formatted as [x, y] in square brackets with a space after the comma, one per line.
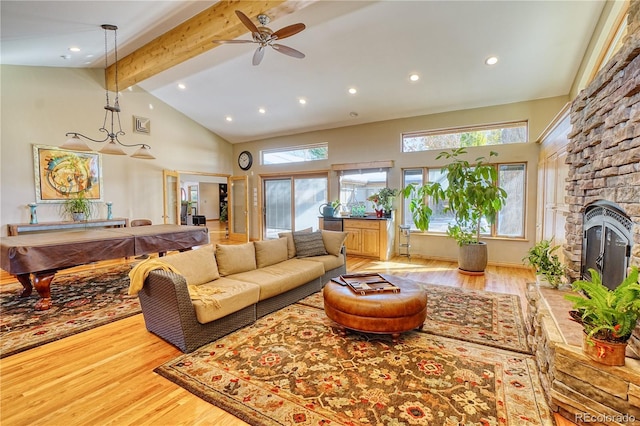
[65, 56]
[414, 77]
[491, 60]
[228, 118]
[353, 90]
[353, 114]
[74, 49]
[181, 86]
[262, 111]
[150, 106]
[302, 101]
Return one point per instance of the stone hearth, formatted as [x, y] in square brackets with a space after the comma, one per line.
[581, 390]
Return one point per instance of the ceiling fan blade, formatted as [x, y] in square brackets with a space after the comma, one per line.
[232, 41]
[258, 55]
[288, 31]
[247, 22]
[288, 51]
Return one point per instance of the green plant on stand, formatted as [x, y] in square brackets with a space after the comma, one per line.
[546, 263]
[77, 206]
[223, 213]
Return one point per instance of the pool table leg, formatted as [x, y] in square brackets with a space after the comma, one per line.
[42, 283]
[25, 280]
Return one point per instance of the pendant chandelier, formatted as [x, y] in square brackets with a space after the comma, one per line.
[111, 117]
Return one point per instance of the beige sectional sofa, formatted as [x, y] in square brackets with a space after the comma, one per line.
[208, 293]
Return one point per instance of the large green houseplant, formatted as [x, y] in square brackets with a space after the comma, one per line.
[607, 316]
[546, 263]
[77, 206]
[471, 195]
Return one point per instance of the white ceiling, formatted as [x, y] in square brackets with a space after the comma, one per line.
[372, 46]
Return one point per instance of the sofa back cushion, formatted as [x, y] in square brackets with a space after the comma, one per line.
[333, 241]
[233, 259]
[270, 252]
[309, 244]
[197, 266]
[291, 246]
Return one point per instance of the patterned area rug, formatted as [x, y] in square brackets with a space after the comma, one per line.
[292, 367]
[80, 301]
[492, 319]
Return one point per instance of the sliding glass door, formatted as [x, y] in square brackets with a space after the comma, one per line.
[293, 203]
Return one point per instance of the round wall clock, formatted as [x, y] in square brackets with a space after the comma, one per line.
[245, 160]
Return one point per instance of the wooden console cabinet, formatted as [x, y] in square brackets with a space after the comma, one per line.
[369, 237]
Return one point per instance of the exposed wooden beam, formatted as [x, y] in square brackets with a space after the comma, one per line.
[193, 37]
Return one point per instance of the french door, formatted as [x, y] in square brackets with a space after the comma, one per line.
[171, 198]
[238, 208]
[292, 203]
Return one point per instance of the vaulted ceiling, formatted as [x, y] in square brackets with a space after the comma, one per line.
[371, 46]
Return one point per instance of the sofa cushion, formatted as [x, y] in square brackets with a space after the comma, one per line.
[283, 276]
[197, 266]
[269, 252]
[233, 259]
[329, 261]
[333, 241]
[291, 247]
[233, 296]
[309, 244]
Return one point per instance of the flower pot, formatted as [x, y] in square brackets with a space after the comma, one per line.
[603, 352]
[542, 281]
[78, 217]
[472, 258]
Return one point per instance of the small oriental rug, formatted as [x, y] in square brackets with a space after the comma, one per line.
[292, 367]
[81, 301]
[487, 318]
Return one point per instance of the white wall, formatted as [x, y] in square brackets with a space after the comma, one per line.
[39, 105]
[382, 141]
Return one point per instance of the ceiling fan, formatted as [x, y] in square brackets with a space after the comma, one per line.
[265, 37]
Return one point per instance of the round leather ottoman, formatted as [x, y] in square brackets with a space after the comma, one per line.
[385, 313]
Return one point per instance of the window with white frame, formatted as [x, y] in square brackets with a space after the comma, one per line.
[494, 134]
[297, 154]
[510, 221]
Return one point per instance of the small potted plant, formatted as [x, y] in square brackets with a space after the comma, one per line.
[77, 206]
[383, 201]
[549, 269]
[607, 316]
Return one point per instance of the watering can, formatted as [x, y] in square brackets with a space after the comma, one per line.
[326, 210]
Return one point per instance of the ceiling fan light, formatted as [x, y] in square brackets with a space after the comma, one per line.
[113, 149]
[74, 143]
[143, 153]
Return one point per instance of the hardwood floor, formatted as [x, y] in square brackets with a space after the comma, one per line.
[105, 376]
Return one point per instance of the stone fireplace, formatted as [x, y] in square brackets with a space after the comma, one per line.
[604, 151]
[602, 230]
